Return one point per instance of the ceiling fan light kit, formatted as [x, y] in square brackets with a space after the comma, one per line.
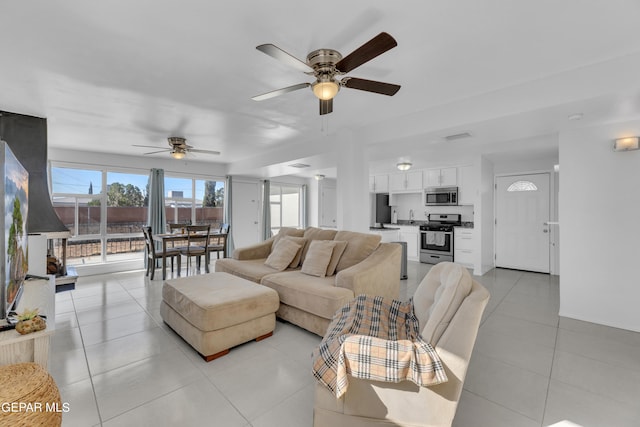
[404, 166]
[326, 64]
[178, 154]
[325, 90]
[178, 148]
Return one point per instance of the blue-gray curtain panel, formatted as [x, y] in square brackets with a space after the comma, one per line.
[266, 209]
[156, 217]
[228, 214]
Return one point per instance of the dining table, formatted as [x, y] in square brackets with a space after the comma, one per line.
[178, 236]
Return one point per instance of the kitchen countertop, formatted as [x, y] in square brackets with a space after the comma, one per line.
[411, 222]
[406, 222]
[468, 224]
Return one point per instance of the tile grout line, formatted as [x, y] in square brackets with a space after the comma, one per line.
[553, 359]
[86, 359]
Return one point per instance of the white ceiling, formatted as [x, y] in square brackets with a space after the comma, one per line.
[111, 74]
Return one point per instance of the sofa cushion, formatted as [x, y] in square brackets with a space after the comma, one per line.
[282, 254]
[318, 257]
[287, 231]
[302, 242]
[438, 298]
[316, 295]
[338, 250]
[250, 269]
[314, 233]
[359, 247]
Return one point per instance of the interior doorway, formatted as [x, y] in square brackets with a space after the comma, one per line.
[522, 222]
[246, 213]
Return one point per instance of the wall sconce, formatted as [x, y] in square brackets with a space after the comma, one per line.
[319, 177]
[626, 144]
[404, 166]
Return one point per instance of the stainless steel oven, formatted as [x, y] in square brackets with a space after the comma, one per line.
[436, 238]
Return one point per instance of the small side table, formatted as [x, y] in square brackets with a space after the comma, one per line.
[34, 347]
[16, 348]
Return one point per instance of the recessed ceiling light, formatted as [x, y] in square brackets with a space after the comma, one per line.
[299, 165]
[576, 116]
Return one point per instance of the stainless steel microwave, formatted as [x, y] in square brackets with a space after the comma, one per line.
[441, 196]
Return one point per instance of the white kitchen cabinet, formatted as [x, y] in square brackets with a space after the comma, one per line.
[467, 185]
[379, 183]
[405, 181]
[410, 234]
[443, 177]
[463, 246]
[390, 235]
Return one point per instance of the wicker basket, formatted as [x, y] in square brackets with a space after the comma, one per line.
[28, 397]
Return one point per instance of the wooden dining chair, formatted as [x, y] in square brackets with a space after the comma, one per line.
[197, 245]
[153, 255]
[218, 242]
[173, 226]
[176, 227]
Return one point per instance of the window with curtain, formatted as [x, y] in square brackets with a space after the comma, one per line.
[194, 201]
[285, 203]
[105, 223]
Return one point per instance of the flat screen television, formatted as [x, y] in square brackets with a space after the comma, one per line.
[14, 206]
[383, 210]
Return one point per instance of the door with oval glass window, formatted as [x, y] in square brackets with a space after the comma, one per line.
[522, 214]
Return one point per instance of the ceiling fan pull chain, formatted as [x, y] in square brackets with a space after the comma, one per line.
[324, 125]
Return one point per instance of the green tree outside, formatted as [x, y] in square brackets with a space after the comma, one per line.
[212, 197]
[120, 195]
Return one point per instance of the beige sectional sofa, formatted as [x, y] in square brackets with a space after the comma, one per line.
[308, 299]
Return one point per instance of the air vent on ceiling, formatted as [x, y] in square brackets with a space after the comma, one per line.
[299, 165]
[457, 136]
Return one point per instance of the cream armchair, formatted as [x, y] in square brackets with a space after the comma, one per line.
[449, 305]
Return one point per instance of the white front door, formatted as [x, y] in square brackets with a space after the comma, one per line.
[246, 213]
[522, 213]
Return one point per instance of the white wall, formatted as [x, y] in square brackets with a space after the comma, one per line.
[600, 227]
[170, 166]
[485, 218]
[313, 203]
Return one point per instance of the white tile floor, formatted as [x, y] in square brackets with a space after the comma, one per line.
[117, 364]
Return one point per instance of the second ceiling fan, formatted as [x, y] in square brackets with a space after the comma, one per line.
[326, 64]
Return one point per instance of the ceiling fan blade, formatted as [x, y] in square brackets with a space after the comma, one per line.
[374, 47]
[279, 92]
[156, 152]
[145, 146]
[326, 106]
[370, 86]
[194, 150]
[282, 56]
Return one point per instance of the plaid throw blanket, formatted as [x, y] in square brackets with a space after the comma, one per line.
[376, 339]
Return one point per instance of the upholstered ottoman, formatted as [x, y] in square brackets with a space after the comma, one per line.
[214, 312]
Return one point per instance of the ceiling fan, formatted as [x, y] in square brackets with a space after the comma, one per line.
[326, 64]
[178, 148]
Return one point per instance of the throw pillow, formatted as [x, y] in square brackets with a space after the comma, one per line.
[302, 242]
[283, 253]
[338, 250]
[318, 257]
